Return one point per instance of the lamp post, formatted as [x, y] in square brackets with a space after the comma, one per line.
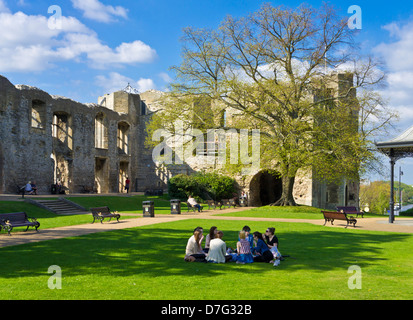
[392, 162]
[400, 188]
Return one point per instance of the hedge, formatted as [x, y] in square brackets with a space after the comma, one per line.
[203, 186]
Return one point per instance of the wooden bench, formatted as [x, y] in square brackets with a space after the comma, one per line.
[212, 204]
[228, 203]
[191, 207]
[232, 202]
[334, 215]
[100, 213]
[351, 210]
[21, 190]
[8, 221]
[219, 204]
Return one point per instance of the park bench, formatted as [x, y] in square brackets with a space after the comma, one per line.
[219, 204]
[334, 215]
[350, 210]
[8, 221]
[228, 203]
[225, 203]
[20, 190]
[191, 207]
[100, 213]
[211, 204]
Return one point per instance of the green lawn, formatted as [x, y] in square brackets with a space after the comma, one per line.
[298, 212]
[122, 204]
[125, 204]
[133, 205]
[147, 263]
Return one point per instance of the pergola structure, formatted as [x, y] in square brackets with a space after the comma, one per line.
[395, 149]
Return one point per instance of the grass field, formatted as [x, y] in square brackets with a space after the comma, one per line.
[133, 205]
[122, 204]
[147, 263]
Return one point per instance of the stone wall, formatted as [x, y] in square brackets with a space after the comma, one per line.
[48, 138]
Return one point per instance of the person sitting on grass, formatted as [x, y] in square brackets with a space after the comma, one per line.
[193, 203]
[244, 254]
[270, 238]
[272, 243]
[193, 250]
[217, 249]
[211, 235]
[263, 253]
[248, 236]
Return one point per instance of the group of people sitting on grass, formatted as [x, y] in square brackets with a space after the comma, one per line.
[250, 247]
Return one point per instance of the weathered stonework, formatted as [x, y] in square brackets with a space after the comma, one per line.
[48, 138]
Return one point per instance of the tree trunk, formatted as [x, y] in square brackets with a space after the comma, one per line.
[287, 198]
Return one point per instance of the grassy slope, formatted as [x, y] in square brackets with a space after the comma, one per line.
[147, 263]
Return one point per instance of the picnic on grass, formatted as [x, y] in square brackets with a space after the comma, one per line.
[250, 248]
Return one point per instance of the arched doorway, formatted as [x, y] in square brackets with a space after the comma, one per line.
[265, 188]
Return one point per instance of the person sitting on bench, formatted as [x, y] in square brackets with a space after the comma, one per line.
[28, 189]
[34, 187]
[193, 203]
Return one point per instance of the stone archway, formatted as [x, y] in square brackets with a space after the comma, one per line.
[265, 188]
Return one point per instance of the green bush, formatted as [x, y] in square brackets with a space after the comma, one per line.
[407, 213]
[201, 186]
[182, 185]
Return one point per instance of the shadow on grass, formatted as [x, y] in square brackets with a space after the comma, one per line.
[154, 252]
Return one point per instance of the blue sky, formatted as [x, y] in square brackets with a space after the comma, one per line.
[103, 44]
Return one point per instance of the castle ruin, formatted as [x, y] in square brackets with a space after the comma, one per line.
[84, 147]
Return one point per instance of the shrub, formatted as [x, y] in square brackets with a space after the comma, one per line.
[201, 185]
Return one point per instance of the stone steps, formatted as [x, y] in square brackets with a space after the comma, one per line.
[60, 206]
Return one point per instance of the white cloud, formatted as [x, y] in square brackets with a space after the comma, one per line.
[165, 77]
[115, 82]
[398, 53]
[101, 56]
[136, 51]
[398, 57]
[28, 44]
[3, 7]
[95, 10]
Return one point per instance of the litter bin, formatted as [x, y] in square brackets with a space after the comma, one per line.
[148, 209]
[175, 206]
[243, 202]
[53, 189]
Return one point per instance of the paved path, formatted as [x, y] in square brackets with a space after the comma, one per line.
[376, 224]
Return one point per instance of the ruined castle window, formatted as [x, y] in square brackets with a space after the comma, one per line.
[61, 128]
[123, 175]
[101, 132]
[38, 117]
[123, 139]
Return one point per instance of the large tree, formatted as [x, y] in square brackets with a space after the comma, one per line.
[273, 68]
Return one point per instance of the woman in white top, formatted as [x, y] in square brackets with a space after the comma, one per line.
[209, 237]
[217, 249]
[193, 250]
